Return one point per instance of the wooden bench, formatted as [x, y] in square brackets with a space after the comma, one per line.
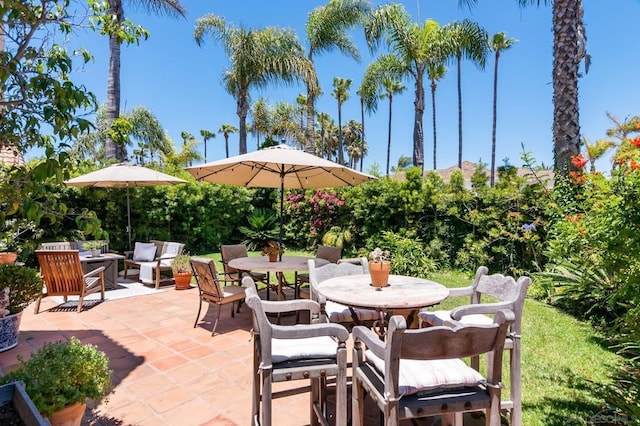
[160, 263]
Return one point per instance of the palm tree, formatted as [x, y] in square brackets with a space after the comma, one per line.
[258, 58]
[466, 40]
[365, 93]
[326, 123]
[569, 48]
[341, 93]
[435, 72]
[226, 130]
[498, 43]
[261, 119]
[391, 87]
[206, 135]
[417, 45]
[326, 30]
[596, 150]
[353, 143]
[116, 10]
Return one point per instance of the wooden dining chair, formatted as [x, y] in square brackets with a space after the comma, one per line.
[419, 373]
[332, 254]
[62, 274]
[314, 352]
[228, 252]
[505, 293]
[210, 289]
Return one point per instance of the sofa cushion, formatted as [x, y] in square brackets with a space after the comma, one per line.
[144, 252]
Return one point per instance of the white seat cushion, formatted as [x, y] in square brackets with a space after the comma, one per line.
[440, 317]
[337, 312]
[311, 347]
[427, 376]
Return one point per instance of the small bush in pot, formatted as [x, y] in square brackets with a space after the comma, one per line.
[181, 264]
[62, 373]
[25, 285]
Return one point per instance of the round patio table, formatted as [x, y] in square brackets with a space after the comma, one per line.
[402, 293]
[287, 264]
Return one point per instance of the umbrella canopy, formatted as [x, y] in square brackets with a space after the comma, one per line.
[279, 167]
[124, 175]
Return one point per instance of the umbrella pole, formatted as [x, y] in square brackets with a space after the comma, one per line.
[128, 218]
[281, 211]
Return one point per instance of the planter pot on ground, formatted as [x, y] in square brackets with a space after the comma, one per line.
[379, 272]
[9, 328]
[8, 257]
[26, 411]
[183, 280]
[71, 415]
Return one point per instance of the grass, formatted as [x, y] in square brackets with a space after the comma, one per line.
[560, 357]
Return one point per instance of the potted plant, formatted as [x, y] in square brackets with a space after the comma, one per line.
[379, 267]
[95, 247]
[182, 272]
[19, 286]
[273, 249]
[9, 236]
[60, 376]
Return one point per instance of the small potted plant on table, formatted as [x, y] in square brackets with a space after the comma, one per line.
[182, 273]
[273, 249]
[95, 247]
[379, 267]
[60, 376]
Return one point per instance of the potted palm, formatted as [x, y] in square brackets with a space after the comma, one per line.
[60, 376]
[19, 286]
[379, 267]
[182, 272]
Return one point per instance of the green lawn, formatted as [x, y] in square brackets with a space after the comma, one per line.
[559, 355]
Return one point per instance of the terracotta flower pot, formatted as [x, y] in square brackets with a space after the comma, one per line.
[71, 415]
[273, 257]
[8, 257]
[379, 272]
[183, 280]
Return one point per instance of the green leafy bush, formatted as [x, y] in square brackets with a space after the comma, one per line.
[25, 285]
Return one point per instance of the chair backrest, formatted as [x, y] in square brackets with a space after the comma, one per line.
[162, 246]
[204, 269]
[505, 289]
[56, 245]
[61, 271]
[229, 252]
[330, 253]
[322, 273]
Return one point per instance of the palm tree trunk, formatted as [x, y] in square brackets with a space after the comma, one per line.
[113, 84]
[389, 134]
[433, 114]
[340, 141]
[495, 112]
[459, 112]
[363, 139]
[243, 110]
[566, 126]
[226, 144]
[418, 134]
[309, 145]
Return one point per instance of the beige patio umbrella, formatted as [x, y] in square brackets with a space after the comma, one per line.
[124, 175]
[279, 167]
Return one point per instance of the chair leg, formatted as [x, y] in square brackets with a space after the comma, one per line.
[315, 398]
[37, 307]
[266, 398]
[255, 400]
[195, 324]
[80, 303]
[516, 383]
[213, 332]
[233, 305]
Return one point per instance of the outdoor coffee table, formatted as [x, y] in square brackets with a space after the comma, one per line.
[402, 293]
[110, 263]
[287, 264]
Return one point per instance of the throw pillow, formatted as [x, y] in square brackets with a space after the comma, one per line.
[144, 252]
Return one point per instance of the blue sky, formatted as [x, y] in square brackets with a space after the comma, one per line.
[181, 82]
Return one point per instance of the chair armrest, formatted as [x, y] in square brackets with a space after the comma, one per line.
[460, 291]
[371, 340]
[480, 308]
[128, 254]
[94, 272]
[291, 305]
[310, 330]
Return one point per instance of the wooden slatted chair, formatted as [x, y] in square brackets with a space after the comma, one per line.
[508, 294]
[329, 253]
[419, 373]
[62, 274]
[312, 352]
[210, 290]
[228, 252]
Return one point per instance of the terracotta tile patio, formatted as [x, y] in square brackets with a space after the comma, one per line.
[165, 371]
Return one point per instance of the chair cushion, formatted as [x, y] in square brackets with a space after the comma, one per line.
[144, 252]
[427, 376]
[337, 312]
[440, 317]
[311, 347]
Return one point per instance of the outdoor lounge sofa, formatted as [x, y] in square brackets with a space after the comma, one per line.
[152, 259]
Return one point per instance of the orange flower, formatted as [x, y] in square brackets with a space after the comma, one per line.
[577, 177]
[634, 165]
[579, 161]
[574, 218]
[635, 142]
